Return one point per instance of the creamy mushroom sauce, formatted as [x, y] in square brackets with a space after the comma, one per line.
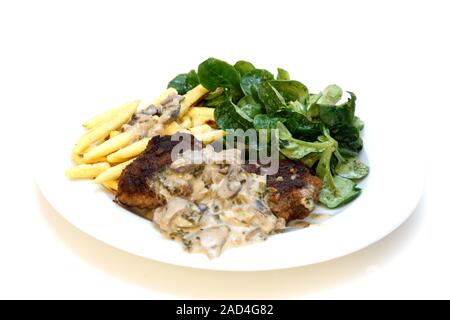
[212, 203]
[150, 122]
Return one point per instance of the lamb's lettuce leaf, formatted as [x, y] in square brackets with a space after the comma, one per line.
[283, 74]
[243, 67]
[352, 168]
[291, 90]
[184, 82]
[252, 79]
[227, 116]
[214, 73]
[250, 107]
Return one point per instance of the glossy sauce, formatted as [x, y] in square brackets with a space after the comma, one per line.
[213, 203]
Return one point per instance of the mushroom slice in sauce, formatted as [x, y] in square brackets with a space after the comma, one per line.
[212, 240]
[224, 207]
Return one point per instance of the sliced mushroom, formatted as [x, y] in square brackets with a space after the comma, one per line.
[227, 189]
[150, 110]
[256, 235]
[166, 217]
[186, 218]
[213, 239]
[177, 186]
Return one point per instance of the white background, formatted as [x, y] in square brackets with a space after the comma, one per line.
[55, 55]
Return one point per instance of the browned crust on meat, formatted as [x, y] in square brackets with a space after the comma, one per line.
[135, 182]
[288, 189]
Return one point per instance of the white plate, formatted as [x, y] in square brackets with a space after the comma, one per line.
[390, 194]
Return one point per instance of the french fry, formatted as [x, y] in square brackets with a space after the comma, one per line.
[198, 121]
[109, 146]
[200, 129]
[172, 128]
[164, 95]
[87, 171]
[103, 130]
[112, 185]
[112, 173]
[210, 136]
[186, 122]
[78, 159]
[114, 133]
[200, 115]
[191, 97]
[200, 112]
[159, 99]
[101, 118]
[128, 152]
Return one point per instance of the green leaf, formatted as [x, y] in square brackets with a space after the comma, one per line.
[338, 192]
[184, 82]
[243, 67]
[297, 149]
[348, 137]
[323, 169]
[250, 107]
[330, 95]
[298, 107]
[272, 100]
[263, 121]
[311, 105]
[283, 74]
[339, 115]
[300, 126]
[352, 168]
[291, 90]
[217, 97]
[358, 123]
[312, 99]
[227, 117]
[214, 73]
[311, 159]
[253, 79]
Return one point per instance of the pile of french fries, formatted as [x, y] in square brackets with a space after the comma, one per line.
[104, 151]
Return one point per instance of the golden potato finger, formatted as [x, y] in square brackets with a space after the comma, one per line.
[186, 122]
[190, 98]
[112, 185]
[114, 133]
[172, 128]
[200, 129]
[109, 146]
[200, 112]
[200, 115]
[198, 121]
[103, 130]
[78, 159]
[112, 173]
[210, 136]
[87, 171]
[164, 95]
[101, 118]
[130, 151]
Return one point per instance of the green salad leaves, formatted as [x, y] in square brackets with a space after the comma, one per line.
[184, 82]
[315, 128]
